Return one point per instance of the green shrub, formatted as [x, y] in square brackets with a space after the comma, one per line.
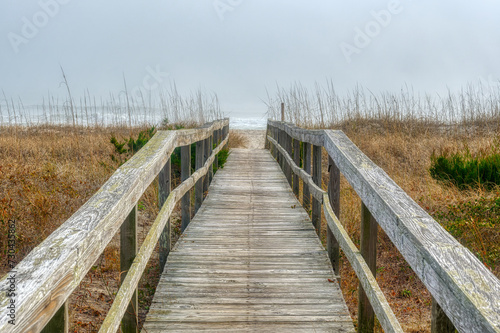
[467, 171]
[126, 149]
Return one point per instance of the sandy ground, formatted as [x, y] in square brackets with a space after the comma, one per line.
[255, 139]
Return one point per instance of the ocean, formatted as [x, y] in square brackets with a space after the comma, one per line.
[250, 123]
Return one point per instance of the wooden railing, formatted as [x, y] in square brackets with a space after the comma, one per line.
[49, 274]
[463, 289]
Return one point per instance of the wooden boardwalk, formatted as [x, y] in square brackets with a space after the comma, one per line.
[250, 261]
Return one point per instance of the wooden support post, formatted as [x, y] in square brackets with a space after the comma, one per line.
[128, 250]
[296, 159]
[185, 174]
[211, 167]
[164, 189]
[268, 130]
[369, 228]
[288, 148]
[439, 321]
[59, 322]
[280, 142]
[306, 194]
[206, 154]
[282, 111]
[316, 174]
[226, 133]
[216, 143]
[198, 188]
[332, 244]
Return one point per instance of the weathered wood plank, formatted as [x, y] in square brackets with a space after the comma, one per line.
[185, 174]
[249, 260]
[316, 191]
[316, 177]
[164, 189]
[296, 159]
[333, 246]
[377, 299]
[313, 137]
[368, 249]
[198, 189]
[60, 322]
[128, 250]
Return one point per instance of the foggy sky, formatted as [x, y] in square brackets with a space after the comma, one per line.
[238, 48]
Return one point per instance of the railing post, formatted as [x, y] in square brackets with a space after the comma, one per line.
[282, 111]
[332, 244]
[296, 159]
[226, 133]
[185, 174]
[216, 143]
[198, 189]
[369, 228]
[306, 194]
[268, 130]
[288, 149]
[206, 154]
[316, 174]
[211, 167]
[164, 189]
[128, 250]
[439, 321]
[59, 322]
[280, 156]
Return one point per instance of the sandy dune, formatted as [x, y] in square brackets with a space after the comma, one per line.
[255, 139]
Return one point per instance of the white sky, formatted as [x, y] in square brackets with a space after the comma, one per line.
[238, 48]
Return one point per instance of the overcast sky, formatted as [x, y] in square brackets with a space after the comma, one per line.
[238, 48]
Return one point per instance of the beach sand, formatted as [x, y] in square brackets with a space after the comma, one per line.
[254, 139]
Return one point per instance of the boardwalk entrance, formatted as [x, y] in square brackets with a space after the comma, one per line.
[250, 261]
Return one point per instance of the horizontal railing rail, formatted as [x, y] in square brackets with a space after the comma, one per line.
[462, 287]
[47, 276]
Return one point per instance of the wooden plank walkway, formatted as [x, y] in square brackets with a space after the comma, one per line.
[250, 261]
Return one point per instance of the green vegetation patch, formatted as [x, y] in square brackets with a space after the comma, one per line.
[475, 224]
[467, 171]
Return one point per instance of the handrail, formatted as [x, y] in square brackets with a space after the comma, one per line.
[48, 275]
[316, 192]
[112, 321]
[465, 289]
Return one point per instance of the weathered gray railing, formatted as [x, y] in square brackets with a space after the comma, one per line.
[461, 286]
[49, 274]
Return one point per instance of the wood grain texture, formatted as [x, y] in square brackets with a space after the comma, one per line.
[316, 177]
[314, 137]
[465, 289]
[185, 174]
[48, 274]
[198, 189]
[367, 280]
[164, 189]
[316, 192]
[249, 261]
[368, 249]
[332, 245]
[128, 250]
[296, 159]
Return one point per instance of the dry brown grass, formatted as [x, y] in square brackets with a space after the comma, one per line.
[46, 174]
[236, 140]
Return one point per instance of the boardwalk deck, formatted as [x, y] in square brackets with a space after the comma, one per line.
[250, 261]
